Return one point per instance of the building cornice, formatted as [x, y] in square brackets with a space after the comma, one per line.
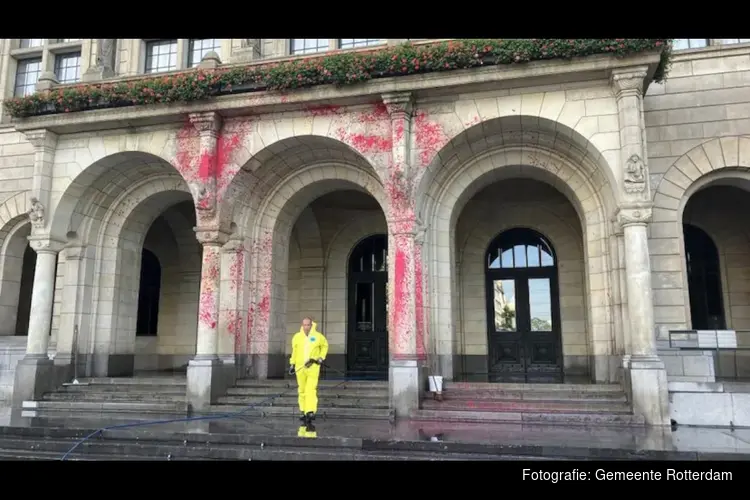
[595, 67]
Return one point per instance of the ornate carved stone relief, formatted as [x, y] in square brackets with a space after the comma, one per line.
[635, 175]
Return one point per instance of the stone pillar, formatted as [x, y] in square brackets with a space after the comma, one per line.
[647, 377]
[405, 376]
[205, 378]
[232, 316]
[45, 145]
[35, 373]
[615, 303]
[208, 126]
[66, 341]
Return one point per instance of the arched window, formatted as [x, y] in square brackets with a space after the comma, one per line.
[523, 317]
[704, 280]
[148, 295]
[367, 325]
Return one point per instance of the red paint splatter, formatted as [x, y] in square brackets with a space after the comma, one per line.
[419, 302]
[259, 308]
[367, 131]
[207, 163]
[237, 269]
[366, 143]
[429, 137]
[208, 307]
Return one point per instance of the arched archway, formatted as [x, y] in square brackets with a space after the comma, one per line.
[148, 294]
[367, 309]
[523, 310]
[704, 280]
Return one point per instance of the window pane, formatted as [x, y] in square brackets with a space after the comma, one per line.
[729, 41]
[540, 305]
[350, 43]
[67, 40]
[27, 43]
[27, 75]
[161, 55]
[199, 47]
[504, 301]
[68, 67]
[689, 43]
[365, 296]
[308, 45]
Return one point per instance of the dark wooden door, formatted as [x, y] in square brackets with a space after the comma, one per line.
[367, 306]
[523, 318]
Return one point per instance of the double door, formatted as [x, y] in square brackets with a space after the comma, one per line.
[524, 341]
[367, 332]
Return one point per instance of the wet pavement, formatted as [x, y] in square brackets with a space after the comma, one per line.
[682, 439]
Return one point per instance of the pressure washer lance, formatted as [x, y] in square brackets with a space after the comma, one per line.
[237, 414]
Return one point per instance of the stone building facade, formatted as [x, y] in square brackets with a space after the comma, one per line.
[541, 238]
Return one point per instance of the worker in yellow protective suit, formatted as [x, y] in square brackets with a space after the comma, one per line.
[309, 351]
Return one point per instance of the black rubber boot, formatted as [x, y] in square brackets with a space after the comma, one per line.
[309, 418]
[303, 419]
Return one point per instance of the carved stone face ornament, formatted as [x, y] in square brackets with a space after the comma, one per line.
[635, 175]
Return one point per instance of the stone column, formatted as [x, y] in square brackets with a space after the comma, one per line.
[647, 377]
[405, 378]
[45, 145]
[232, 315]
[208, 126]
[35, 373]
[66, 341]
[205, 379]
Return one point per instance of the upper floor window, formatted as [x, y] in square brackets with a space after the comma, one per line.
[199, 47]
[689, 43]
[301, 46]
[68, 67]
[27, 75]
[161, 55]
[67, 40]
[351, 43]
[27, 43]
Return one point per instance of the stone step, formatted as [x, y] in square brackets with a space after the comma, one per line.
[343, 391]
[449, 386]
[162, 445]
[528, 418]
[130, 388]
[324, 401]
[109, 406]
[203, 451]
[107, 396]
[502, 395]
[529, 406]
[293, 410]
[133, 381]
[290, 383]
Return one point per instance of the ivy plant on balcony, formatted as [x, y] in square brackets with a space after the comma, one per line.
[336, 68]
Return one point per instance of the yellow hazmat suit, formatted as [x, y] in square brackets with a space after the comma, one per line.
[306, 348]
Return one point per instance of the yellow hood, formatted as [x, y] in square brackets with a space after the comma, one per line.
[313, 329]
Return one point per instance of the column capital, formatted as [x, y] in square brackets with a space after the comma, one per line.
[41, 138]
[206, 123]
[211, 236]
[45, 244]
[634, 215]
[398, 103]
[629, 80]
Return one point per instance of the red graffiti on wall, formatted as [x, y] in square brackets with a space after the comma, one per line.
[208, 309]
[233, 320]
[259, 309]
[419, 302]
[237, 269]
[429, 137]
[203, 161]
[367, 131]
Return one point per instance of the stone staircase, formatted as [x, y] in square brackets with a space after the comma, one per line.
[336, 399]
[548, 404]
[115, 399]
